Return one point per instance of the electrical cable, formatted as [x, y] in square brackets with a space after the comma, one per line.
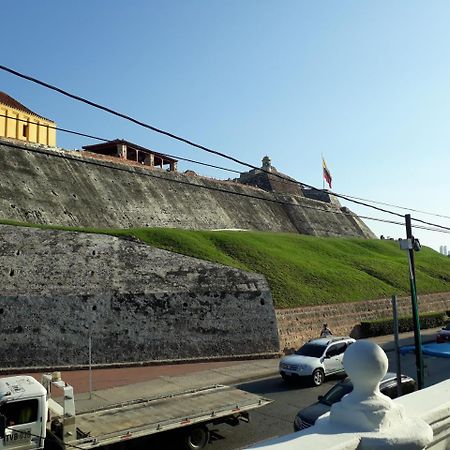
[399, 207]
[191, 143]
[218, 189]
[285, 180]
[167, 133]
[51, 127]
[151, 174]
[422, 227]
[65, 130]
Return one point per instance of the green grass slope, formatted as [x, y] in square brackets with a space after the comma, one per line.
[306, 270]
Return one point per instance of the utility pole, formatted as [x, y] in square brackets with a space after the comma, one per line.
[397, 346]
[412, 244]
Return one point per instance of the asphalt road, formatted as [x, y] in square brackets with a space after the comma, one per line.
[276, 419]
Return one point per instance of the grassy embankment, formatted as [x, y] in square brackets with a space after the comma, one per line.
[305, 270]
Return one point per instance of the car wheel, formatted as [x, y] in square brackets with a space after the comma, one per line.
[318, 377]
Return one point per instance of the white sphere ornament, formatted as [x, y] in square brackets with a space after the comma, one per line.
[366, 364]
[381, 422]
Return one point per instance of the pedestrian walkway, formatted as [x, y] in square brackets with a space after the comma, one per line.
[192, 375]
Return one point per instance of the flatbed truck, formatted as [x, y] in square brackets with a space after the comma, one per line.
[30, 418]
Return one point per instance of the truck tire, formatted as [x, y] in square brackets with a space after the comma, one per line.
[196, 438]
[318, 377]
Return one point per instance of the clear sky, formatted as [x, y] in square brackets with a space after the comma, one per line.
[365, 83]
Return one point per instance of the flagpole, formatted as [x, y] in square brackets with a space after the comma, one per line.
[323, 179]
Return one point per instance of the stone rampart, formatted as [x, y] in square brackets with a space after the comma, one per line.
[298, 325]
[46, 186]
[139, 303]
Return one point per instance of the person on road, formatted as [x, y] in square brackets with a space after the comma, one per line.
[325, 331]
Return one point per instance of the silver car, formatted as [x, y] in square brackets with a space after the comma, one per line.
[316, 359]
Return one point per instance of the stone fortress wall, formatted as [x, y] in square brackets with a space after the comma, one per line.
[138, 303]
[47, 186]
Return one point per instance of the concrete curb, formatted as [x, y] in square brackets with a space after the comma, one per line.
[124, 365]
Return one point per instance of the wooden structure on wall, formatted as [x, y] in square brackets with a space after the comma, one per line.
[132, 152]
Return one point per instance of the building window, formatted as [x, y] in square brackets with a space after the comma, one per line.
[25, 130]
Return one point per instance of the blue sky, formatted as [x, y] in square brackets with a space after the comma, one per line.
[365, 83]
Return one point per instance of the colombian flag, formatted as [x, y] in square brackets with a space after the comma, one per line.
[326, 172]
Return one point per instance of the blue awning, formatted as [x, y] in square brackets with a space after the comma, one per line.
[439, 350]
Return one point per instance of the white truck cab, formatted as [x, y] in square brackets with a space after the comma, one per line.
[23, 413]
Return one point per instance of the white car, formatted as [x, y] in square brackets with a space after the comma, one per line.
[316, 359]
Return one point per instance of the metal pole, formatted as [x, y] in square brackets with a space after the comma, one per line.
[397, 347]
[415, 309]
[90, 365]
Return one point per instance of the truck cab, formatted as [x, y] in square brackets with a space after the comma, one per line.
[23, 413]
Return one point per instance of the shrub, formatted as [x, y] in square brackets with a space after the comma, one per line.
[382, 327]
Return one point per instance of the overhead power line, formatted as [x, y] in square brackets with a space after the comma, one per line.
[164, 132]
[284, 180]
[117, 113]
[422, 227]
[65, 130]
[405, 208]
[193, 144]
[152, 174]
[51, 127]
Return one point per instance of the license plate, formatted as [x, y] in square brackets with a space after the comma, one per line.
[17, 436]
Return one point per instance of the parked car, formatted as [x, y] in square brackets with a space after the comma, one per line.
[444, 334]
[316, 359]
[388, 386]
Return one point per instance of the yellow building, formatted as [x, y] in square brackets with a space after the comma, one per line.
[18, 122]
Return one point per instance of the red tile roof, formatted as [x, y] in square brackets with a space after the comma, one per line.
[12, 103]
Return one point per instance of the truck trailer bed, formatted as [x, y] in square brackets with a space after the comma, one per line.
[147, 416]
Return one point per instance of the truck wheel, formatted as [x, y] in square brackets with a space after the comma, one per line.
[196, 438]
[318, 377]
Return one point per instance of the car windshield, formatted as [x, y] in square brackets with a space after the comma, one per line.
[311, 350]
[336, 393]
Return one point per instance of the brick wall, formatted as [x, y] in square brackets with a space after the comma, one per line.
[297, 325]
